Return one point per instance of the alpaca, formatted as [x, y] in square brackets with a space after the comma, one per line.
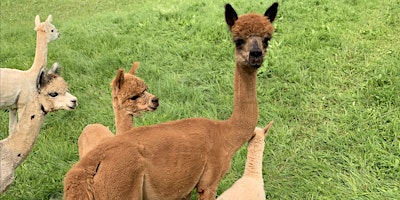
[251, 185]
[16, 86]
[169, 160]
[129, 97]
[51, 95]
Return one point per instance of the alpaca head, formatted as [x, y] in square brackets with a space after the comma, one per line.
[53, 91]
[47, 28]
[251, 34]
[130, 93]
[256, 143]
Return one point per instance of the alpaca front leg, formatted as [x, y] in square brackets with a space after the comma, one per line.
[208, 193]
[12, 120]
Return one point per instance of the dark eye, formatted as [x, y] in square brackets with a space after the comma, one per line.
[135, 97]
[239, 42]
[52, 30]
[53, 94]
[265, 41]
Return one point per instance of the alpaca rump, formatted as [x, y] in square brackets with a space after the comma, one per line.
[17, 86]
[251, 185]
[51, 95]
[169, 160]
[129, 97]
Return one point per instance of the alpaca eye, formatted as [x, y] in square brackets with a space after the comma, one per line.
[266, 41]
[53, 94]
[239, 42]
[52, 30]
[135, 97]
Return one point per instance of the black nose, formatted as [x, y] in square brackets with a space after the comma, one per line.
[255, 53]
[155, 101]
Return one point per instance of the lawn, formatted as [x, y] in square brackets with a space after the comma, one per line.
[330, 82]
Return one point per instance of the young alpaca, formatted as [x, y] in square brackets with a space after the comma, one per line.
[168, 160]
[129, 98]
[251, 185]
[16, 86]
[51, 95]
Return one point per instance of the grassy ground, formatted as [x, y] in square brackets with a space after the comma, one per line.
[331, 83]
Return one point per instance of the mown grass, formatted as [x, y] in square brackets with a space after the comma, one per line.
[330, 82]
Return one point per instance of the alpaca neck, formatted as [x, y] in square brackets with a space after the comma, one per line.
[245, 107]
[254, 161]
[20, 143]
[123, 120]
[40, 60]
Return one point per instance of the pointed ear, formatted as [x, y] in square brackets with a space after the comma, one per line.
[55, 69]
[49, 18]
[37, 20]
[134, 67]
[266, 129]
[230, 15]
[271, 12]
[119, 80]
[41, 80]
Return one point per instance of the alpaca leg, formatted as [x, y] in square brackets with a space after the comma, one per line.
[12, 120]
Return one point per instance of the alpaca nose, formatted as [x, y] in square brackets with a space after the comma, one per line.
[256, 52]
[155, 101]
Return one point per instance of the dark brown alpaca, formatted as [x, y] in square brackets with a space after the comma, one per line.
[168, 160]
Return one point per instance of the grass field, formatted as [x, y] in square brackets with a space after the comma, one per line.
[331, 83]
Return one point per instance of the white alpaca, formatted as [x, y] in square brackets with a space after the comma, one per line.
[251, 185]
[51, 95]
[17, 86]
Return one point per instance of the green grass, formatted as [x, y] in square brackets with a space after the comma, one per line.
[331, 83]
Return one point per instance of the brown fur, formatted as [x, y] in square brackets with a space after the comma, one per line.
[168, 160]
[130, 97]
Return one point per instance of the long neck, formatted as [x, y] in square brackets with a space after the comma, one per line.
[40, 60]
[245, 107]
[20, 143]
[123, 120]
[254, 161]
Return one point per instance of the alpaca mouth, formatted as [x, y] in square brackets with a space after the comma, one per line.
[255, 62]
[153, 108]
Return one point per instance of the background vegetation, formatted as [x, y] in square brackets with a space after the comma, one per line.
[331, 83]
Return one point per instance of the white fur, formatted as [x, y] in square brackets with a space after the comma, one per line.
[16, 86]
[251, 185]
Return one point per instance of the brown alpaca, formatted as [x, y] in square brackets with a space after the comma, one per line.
[51, 95]
[129, 98]
[168, 160]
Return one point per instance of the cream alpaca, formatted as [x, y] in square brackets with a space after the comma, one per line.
[168, 160]
[129, 98]
[251, 185]
[17, 86]
[52, 95]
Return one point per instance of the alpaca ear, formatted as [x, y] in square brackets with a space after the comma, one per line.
[271, 12]
[230, 15]
[134, 67]
[266, 129]
[49, 18]
[41, 80]
[37, 20]
[55, 69]
[119, 80]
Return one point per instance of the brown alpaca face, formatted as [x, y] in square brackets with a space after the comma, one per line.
[132, 96]
[251, 34]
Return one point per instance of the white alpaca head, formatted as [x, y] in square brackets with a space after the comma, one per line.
[46, 27]
[257, 142]
[53, 91]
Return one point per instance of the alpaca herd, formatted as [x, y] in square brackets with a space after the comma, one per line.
[162, 161]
